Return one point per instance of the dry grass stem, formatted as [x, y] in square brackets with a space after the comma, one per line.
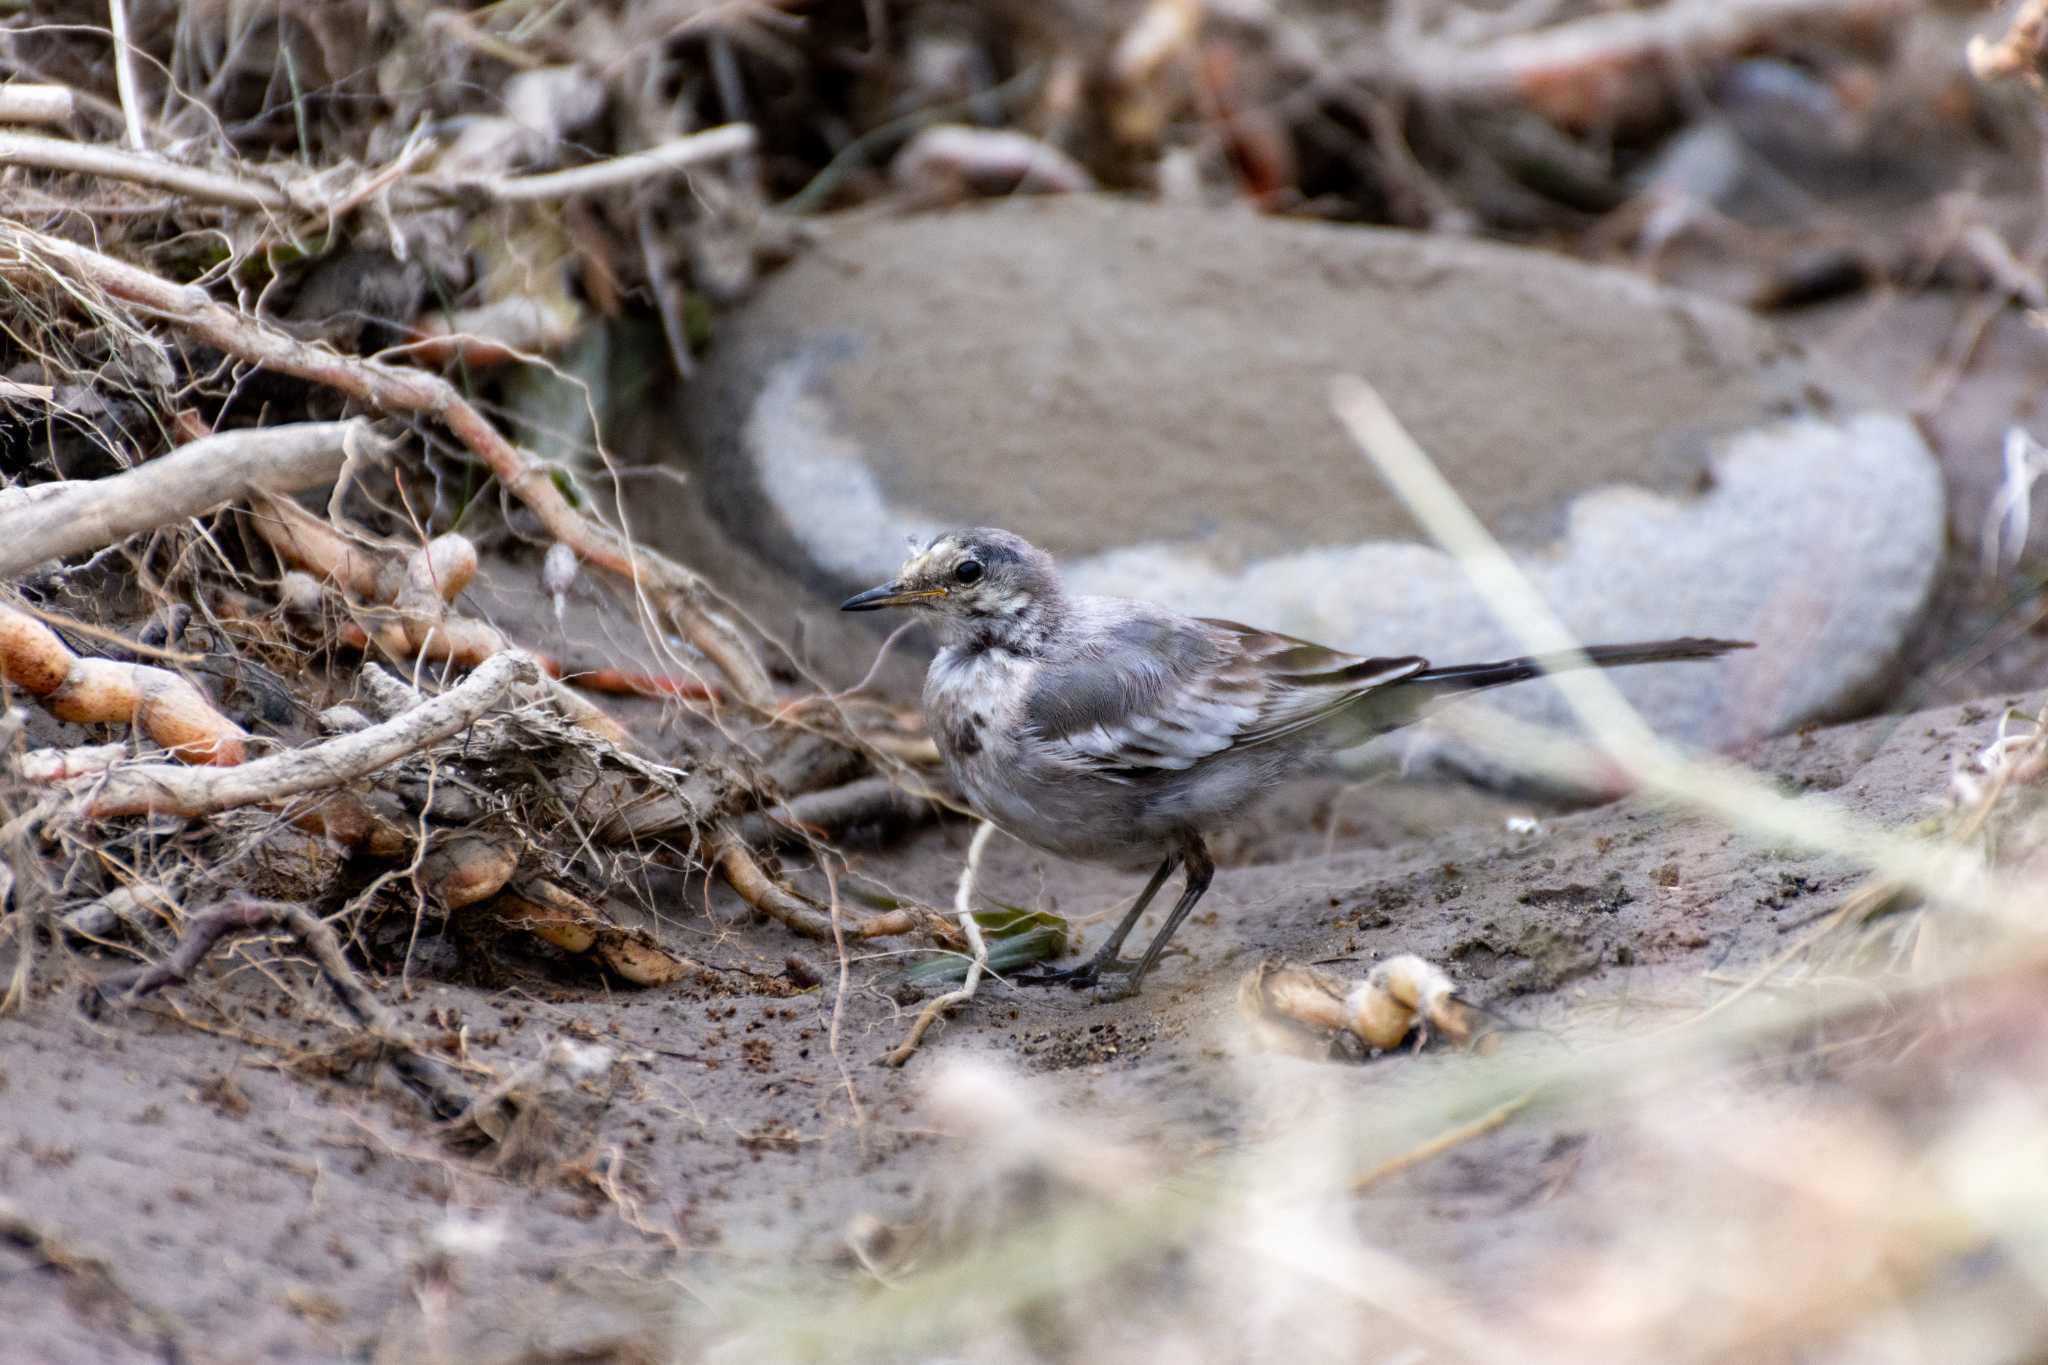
[1494, 1118]
[632, 169]
[1742, 801]
[124, 74]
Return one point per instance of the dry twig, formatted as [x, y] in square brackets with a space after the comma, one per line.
[316, 195]
[634, 168]
[431, 1079]
[163, 788]
[1573, 71]
[58, 519]
[22, 102]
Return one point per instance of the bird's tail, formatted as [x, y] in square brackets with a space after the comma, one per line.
[1462, 678]
[1380, 709]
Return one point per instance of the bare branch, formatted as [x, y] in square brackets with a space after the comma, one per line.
[634, 168]
[142, 168]
[53, 520]
[167, 788]
[24, 103]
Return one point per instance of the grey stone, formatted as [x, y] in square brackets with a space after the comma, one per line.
[1144, 391]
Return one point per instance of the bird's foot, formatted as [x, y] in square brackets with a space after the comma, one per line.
[1081, 978]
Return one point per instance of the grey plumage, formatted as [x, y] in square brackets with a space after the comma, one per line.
[1116, 731]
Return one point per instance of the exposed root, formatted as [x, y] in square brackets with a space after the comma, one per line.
[963, 909]
[92, 691]
[869, 801]
[467, 867]
[561, 917]
[774, 898]
[682, 597]
[418, 584]
[55, 520]
[1304, 1009]
[58, 765]
[161, 788]
[444, 1092]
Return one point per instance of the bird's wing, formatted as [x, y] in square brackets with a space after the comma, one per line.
[1160, 693]
[1307, 683]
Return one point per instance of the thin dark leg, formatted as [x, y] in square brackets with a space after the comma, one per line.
[1087, 972]
[1115, 943]
[1200, 871]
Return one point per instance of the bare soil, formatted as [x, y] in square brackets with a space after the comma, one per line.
[246, 1209]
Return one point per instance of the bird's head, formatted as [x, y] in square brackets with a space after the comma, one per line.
[983, 584]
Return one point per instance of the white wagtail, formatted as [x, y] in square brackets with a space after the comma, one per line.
[1113, 731]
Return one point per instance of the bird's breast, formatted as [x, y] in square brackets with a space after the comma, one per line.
[972, 703]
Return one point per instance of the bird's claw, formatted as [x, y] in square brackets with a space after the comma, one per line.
[1081, 978]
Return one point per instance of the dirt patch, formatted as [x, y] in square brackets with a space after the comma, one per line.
[309, 1211]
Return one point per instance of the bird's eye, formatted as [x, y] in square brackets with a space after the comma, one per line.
[968, 572]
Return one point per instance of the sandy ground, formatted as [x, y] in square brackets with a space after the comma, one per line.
[245, 1211]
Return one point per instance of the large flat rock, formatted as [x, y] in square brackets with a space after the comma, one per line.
[1144, 391]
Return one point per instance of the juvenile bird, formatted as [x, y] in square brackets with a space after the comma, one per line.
[1114, 731]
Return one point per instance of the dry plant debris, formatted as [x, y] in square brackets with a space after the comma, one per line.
[1306, 1010]
[442, 1090]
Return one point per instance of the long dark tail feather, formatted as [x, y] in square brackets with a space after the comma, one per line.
[1475, 677]
[1376, 710]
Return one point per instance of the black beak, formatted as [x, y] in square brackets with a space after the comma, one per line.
[888, 595]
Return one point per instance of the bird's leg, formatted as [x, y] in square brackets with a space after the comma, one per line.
[1200, 870]
[1105, 956]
